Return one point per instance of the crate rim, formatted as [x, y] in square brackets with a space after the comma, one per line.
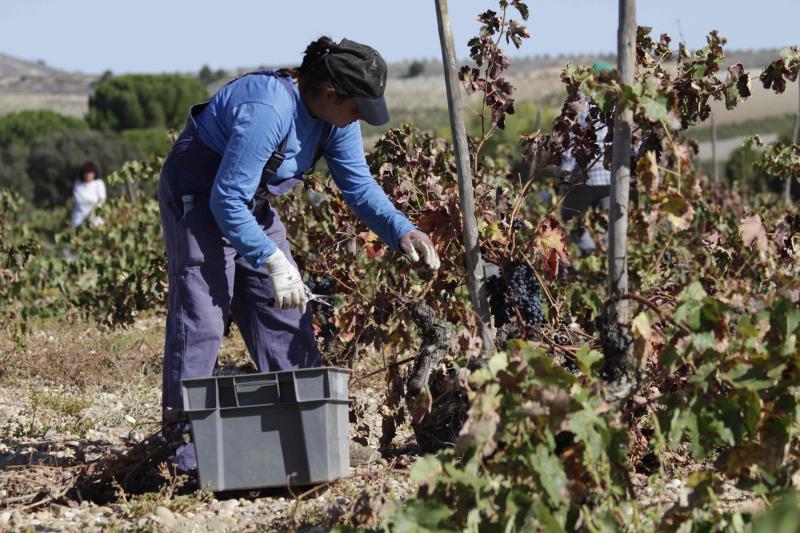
[339, 401]
[336, 368]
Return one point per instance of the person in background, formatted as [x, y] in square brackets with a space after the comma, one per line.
[589, 189]
[227, 249]
[88, 192]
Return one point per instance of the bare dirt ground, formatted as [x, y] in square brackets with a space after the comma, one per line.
[69, 393]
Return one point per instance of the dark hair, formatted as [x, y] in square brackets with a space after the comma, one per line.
[88, 166]
[313, 74]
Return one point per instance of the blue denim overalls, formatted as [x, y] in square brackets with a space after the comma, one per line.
[208, 280]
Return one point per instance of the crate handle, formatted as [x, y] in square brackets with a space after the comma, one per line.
[252, 386]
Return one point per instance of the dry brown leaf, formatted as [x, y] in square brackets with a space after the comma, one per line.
[551, 245]
[647, 169]
[753, 233]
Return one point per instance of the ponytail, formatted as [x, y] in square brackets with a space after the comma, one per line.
[313, 72]
[315, 54]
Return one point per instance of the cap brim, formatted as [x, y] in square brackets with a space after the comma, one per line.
[372, 110]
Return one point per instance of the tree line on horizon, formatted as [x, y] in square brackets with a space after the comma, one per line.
[128, 118]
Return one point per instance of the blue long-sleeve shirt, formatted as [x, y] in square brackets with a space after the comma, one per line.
[245, 122]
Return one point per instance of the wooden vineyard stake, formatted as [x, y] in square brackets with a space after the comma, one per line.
[787, 186]
[621, 168]
[475, 279]
[620, 368]
[715, 168]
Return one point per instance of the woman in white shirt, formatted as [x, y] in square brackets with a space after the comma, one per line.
[87, 193]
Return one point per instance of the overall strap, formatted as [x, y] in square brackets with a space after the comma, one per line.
[279, 154]
[271, 167]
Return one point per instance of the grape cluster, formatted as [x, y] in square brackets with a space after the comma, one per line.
[525, 292]
[518, 290]
[495, 289]
[322, 285]
[560, 338]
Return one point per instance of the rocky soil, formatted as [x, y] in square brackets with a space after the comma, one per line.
[70, 393]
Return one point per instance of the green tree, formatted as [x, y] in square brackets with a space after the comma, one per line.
[23, 127]
[739, 168]
[221, 73]
[415, 69]
[14, 170]
[206, 75]
[53, 161]
[149, 141]
[143, 101]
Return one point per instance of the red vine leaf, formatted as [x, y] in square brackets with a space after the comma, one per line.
[551, 244]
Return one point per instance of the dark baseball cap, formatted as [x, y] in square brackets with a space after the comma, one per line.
[359, 72]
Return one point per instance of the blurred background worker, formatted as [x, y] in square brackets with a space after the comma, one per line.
[227, 249]
[586, 189]
[88, 192]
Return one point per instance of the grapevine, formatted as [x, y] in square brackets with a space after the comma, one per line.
[535, 438]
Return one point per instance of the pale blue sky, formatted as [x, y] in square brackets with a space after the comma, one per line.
[170, 35]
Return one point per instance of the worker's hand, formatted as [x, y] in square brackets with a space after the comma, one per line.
[286, 282]
[416, 240]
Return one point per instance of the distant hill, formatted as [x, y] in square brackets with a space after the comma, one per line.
[36, 85]
[525, 65]
[17, 75]
[538, 78]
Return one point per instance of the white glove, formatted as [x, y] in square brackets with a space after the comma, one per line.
[286, 282]
[416, 240]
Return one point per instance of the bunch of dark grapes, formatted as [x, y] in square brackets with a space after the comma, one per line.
[498, 306]
[525, 292]
[517, 291]
[560, 338]
[322, 285]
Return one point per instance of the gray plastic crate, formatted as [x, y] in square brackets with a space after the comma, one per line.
[255, 430]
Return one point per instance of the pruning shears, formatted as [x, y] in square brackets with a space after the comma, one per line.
[323, 299]
[319, 298]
